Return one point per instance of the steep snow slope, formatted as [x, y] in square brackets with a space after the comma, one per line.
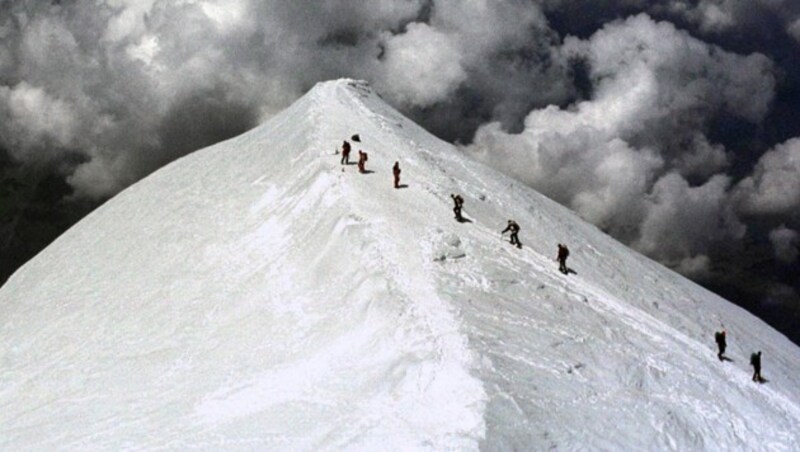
[255, 295]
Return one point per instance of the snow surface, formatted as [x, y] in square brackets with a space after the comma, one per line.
[256, 295]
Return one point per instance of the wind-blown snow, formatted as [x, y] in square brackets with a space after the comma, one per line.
[256, 295]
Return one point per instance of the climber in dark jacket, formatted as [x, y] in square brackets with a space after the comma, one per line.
[513, 227]
[563, 253]
[345, 153]
[755, 361]
[719, 337]
[459, 202]
[396, 172]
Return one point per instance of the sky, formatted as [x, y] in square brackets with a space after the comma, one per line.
[669, 124]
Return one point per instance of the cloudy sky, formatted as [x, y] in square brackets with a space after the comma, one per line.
[673, 125]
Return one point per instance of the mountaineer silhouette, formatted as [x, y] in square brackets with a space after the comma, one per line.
[513, 228]
[563, 254]
[345, 153]
[719, 338]
[755, 361]
[362, 161]
[458, 202]
[396, 173]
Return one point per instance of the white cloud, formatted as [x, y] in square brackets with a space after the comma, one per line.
[714, 15]
[561, 154]
[226, 14]
[621, 158]
[682, 74]
[129, 22]
[97, 178]
[701, 158]
[35, 119]
[486, 26]
[719, 16]
[774, 186]
[421, 66]
[698, 266]
[145, 50]
[681, 221]
[785, 243]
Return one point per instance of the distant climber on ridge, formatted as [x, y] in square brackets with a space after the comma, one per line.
[755, 361]
[459, 202]
[345, 153]
[396, 172]
[563, 254]
[719, 337]
[362, 160]
[513, 227]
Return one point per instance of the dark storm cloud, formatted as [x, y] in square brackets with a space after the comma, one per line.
[785, 242]
[667, 123]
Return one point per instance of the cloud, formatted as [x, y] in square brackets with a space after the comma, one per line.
[478, 45]
[701, 158]
[421, 66]
[562, 155]
[774, 186]
[710, 15]
[785, 243]
[688, 219]
[793, 28]
[128, 21]
[113, 74]
[35, 120]
[721, 16]
[673, 73]
[624, 157]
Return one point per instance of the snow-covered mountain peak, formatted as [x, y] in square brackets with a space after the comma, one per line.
[261, 294]
[337, 87]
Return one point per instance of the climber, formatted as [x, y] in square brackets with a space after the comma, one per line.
[396, 172]
[755, 361]
[563, 253]
[345, 153]
[719, 337]
[513, 227]
[459, 202]
[362, 160]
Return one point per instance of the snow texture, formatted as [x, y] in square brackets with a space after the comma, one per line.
[257, 294]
